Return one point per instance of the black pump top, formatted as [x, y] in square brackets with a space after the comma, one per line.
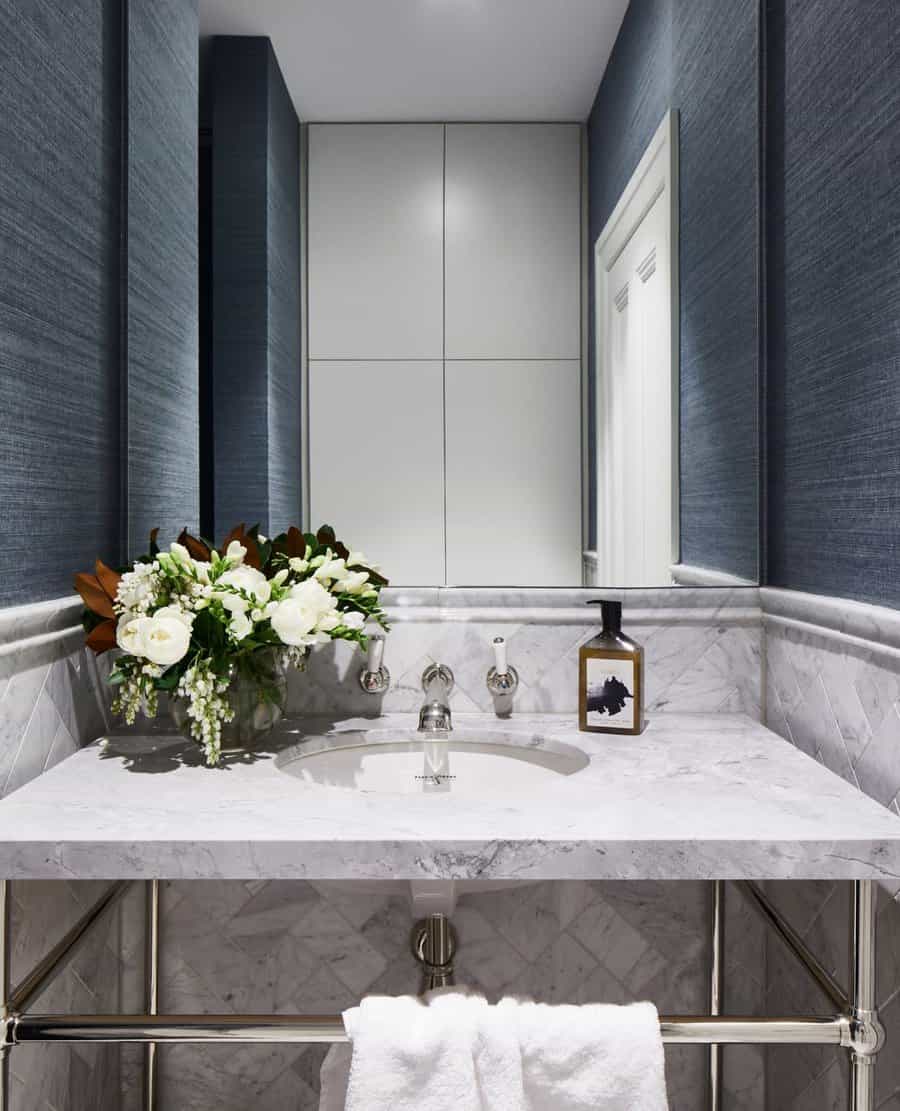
[610, 612]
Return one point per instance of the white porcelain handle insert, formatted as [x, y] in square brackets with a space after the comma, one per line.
[500, 665]
[374, 652]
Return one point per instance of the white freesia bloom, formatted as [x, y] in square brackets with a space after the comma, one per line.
[235, 552]
[280, 577]
[299, 618]
[242, 580]
[164, 640]
[329, 569]
[177, 614]
[180, 552]
[353, 582]
[360, 559]
[353, 620]
[328, 622]
[240, 626]
[202, 568]
[297, 564]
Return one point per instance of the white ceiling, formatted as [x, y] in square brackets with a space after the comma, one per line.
[431, 59]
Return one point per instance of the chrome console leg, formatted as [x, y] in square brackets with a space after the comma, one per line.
[868, 1033]
[716, 988]
[152, 989]
[5, 990]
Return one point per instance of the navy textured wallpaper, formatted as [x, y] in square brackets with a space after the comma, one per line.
[98, 284]
[59, 292]
[162, 310]
[833, 193]
[255, 191]
[702, 59]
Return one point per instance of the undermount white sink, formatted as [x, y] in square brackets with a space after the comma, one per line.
[475, 764]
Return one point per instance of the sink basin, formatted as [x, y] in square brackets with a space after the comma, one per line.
[474, 764]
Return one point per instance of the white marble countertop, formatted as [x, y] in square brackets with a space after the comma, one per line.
[694, 797]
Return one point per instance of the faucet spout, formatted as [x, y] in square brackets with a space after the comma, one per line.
[437, 683]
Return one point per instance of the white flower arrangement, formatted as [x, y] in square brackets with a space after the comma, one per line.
[190, 620]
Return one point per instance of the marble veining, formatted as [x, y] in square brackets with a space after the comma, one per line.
[696, 796]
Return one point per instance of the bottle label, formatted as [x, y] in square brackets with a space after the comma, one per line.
[610, 694]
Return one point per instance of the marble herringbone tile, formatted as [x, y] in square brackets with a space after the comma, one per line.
[573, 942]
[689, 667]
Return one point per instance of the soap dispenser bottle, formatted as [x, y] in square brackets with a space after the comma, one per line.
[610, 678]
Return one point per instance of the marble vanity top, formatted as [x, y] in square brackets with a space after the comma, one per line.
[694, 797]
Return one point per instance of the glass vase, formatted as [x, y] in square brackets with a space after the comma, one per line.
[257, 696]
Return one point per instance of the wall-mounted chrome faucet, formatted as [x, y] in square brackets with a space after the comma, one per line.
[502, 678]
[437, 683]
[374, 678]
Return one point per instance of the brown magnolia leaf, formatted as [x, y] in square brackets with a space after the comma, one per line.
[102, 638]
[196, 547]
[93, 595]
[341, 549]
[237, 533]
[107, 578]
[325, 536]
[252, 558]
[296, 542]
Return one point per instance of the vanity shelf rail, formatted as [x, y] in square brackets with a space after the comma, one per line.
[675, 1029]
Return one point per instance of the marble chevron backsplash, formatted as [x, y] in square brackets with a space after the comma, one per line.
[52, 694]
[701, 649]
[833, 686]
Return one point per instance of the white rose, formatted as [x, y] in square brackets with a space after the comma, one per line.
[353, 620]
[353, 582]
[294, 624]
[297, 619]
[128, 635]
[177, 614]
[165, 640]
[240, 626]
[247, 580]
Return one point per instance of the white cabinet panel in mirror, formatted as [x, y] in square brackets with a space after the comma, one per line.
[513, 241]
[376, 461]
[376, 241]
[513, 472]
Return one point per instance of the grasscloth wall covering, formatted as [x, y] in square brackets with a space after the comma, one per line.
[834, 309]
[96, 96]
[700, 58]
[162, 311]
[59, 292]
[255, 289]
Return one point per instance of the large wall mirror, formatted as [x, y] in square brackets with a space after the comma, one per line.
[529, 333]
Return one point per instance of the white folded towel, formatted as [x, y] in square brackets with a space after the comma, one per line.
[455, 1052]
